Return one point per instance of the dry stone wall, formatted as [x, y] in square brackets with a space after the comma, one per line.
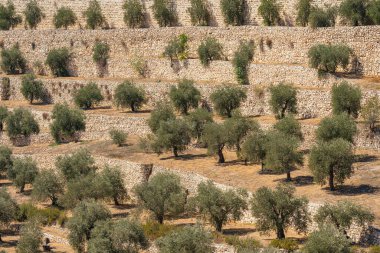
[113, 12]
[281, 49]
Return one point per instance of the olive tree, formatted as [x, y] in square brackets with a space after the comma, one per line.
[163, 112]
[254, 148]
[100, 55]
[233, 11]
[373, 11]
[242, 58]
[199, 13]
[75, 165]
[8, 17]
[8, 209]
[118, 137]
[343, 215]
[83, 221]
[48, 185]
[172, 135]
[94, 16]
[134, 16]
[33, 14]
[12, 60]
[3, 116]
[67, 123]
[185, 96]
[164, 13]
[58, 61]
[220, 206]
[337, 126]
[115, 187]
[32, 89]
[322, 17]
[346, 99]
[227, 99]
[64, 17]
[327, 58]
[162, 194]
[6, 160]
[21, 122]
[210, 50]
[23, 171]
[128, 95]
[269, 11]
[370, 112]
[215, 136]
[303, 12]
[197, 121]
[30, 238]
[282, 153]
[283, 100]
[88, 96]
[354, 12]
[332, 161]
[289, 126]
[279, 209]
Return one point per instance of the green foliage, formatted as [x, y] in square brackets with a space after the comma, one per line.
[140, 66]
[162, 112]
[32, 89]
[101, 53]
[58, 61]
[93, 15]
[343, 215]
[64, 17]
[8, 17]
[282, 154]
[327, 58]
[220, 206]
[154, 230]
[289, 126]
[287, 244]
[8, 208]
[185, 96]
[6, 161]
[128, 95]
[283, 100]
[88, 96]
[346, 99]
[303, 12]
[374, 249]
[354, 12]
[114, 187]
[30, 238]
[227, 99]
[337, 126]
[23, 171]
[243, 244]
[162, 195]
[21, 122]
[48, 185]
[233, 11]
[327, 239]
[373, 11]
[197, 121]
[322, 17]
[3, 116]
[333, 161]
[47, 216]
[178, 48]
[278, 209]
[242, 57]
[370, 112]
[164, 13]
[134, 16]
[67, 123]
[120, 236]
[199, 13]
[216, 138]
[13, 61]
[79, 163]
[172, 135]
[253, 149]
[186, 240]
[5, 88]
[210, 50]
[33, 14]
[84, 218]
[118, 137]
[270, 12]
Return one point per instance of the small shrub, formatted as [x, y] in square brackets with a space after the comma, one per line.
[199, 13]
[64, 17]
[101, 53]
[88, 96]
[373, 11]
[93, 15]
[21, 122]
[32, 89]
[374, 249]
[303, 12]
[118, 137]
[185, 96]
[8, 17]
[287, 244]
[354, 12]
[370, 112]
[134, 15]
[227, 99]
[233, 11]
[210, 50]
[58, 61]
[140, 66]
[13, 61]
[322, 17]
[5, 88]
[270, 12]
[155, 230]
[242, 57]
[327, 58]
[178, 48]
[128, 95]
[164, 13]
[33, 14]
[243, 244]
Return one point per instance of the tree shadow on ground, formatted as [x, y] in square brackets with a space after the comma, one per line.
[137, 112]
[185, 157]
[5, 184]
[303, 180]
[354, 190]
[238, 231]
[365, 158]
